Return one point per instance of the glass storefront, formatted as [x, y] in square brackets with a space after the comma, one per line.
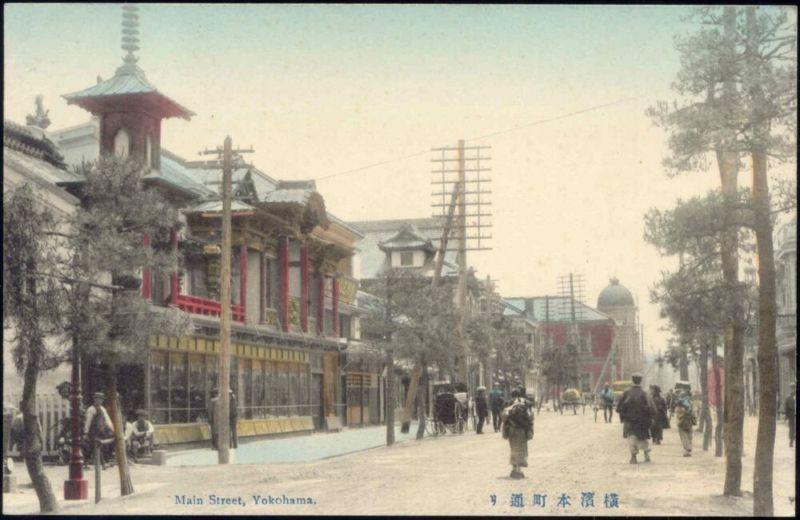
[181, 384]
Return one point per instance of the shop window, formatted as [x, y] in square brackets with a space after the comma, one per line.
[178, 391]
[245, 388]
[212, 369]
[159, 387]
[258, 389]
[293, 397]
[197, 388]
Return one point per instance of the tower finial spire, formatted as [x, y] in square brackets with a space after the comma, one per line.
[130, 32]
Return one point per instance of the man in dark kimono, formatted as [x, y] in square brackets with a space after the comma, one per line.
[496, 404]
[481, 408]
[636, 413]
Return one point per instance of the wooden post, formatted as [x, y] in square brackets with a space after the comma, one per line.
[321, 304]
[146, 291]
[222, 422]
[174, 287]
[243, 279]
[283, 254]
[97, 473]
[262, 287]
[335, 305]
[304, 298]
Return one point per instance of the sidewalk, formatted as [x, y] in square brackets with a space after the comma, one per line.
[298, 448]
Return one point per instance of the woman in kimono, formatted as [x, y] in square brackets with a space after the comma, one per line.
[518, 429]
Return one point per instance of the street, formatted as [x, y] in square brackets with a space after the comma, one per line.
[569, 455]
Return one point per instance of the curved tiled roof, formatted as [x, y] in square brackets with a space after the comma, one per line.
[128, 80]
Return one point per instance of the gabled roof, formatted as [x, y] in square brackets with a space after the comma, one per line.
[129, 80]
[372, 259]
[215, 206]
[408, 238]
[554, 309]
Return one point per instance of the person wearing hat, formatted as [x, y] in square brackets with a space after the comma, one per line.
[481, 408]
[141, 435]
[496, 405]
[789, 409]
[98, 426]
[213, 413]
[636, 413]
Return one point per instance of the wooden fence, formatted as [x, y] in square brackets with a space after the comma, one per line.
[50, 408]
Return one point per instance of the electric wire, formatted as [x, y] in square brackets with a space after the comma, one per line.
[500, 132]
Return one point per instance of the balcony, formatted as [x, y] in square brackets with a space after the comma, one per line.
[206, 307]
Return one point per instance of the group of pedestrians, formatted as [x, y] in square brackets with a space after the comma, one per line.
[644, 416]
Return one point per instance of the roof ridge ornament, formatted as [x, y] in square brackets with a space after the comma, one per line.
[130, 33]
[40, 119]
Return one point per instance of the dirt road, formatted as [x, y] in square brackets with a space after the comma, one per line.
[569, 455]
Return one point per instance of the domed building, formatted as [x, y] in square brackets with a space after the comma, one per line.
[617, 302]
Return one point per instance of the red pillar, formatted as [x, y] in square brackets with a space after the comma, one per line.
[304, 300]
[262, 288]
[284, 260]
[321, 304]
[146, 291]
[335, 305]
[243, 278]
[77, 487]
[174, 288]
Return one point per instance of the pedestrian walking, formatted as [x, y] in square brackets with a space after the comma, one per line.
[213, 417]
[607, 401]
[481, 408]
[635, 412]
[98, 428]
[517, 427]
[660, 419]
[789, 409]
[686, 418]
[496, 405]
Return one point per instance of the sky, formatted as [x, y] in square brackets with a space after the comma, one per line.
[321, 89]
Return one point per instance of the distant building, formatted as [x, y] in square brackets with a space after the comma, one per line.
[786, 305]
[616, 301]
[561, 321]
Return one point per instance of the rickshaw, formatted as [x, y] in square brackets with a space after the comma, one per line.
[449, 414]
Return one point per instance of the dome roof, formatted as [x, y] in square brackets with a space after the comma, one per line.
[615, 295]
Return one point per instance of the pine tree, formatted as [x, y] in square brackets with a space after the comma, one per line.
[33, 302]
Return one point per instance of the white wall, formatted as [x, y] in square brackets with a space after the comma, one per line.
[418, 259]
[62, 203]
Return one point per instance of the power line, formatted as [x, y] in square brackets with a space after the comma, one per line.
[512, 129]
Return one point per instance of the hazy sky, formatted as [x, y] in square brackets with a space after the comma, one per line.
[322, 89]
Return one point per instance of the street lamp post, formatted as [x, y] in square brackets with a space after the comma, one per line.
[76, 487]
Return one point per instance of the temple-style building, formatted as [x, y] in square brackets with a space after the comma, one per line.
[293, 292]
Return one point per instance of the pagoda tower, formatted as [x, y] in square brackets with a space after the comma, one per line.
[129, 107]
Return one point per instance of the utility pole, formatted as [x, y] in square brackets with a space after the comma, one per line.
[468, 174]
[223, 418]
[389, 365]
[462, 264]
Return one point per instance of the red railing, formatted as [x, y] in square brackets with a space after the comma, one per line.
[206, 307]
